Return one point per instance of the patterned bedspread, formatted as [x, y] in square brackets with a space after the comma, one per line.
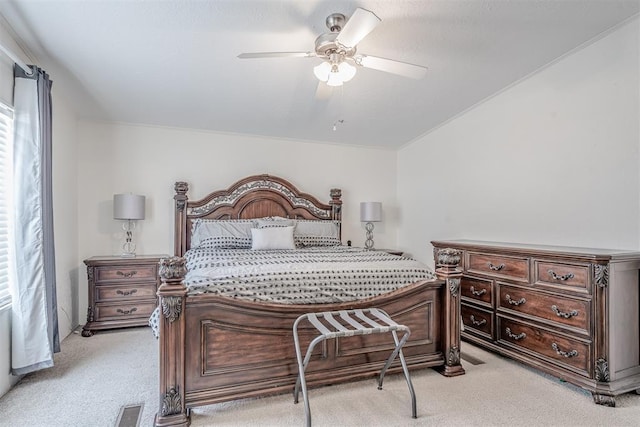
[301, 276]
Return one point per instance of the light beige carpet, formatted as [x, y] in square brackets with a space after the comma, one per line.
[94, 377]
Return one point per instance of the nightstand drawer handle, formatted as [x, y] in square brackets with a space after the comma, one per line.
[572, 353]
[513, 302]
[496, 267]
[517, 337]
[125, 312]
[478, 293]
[126, 293]
[477, 322]
[559, 313]
[127, 274]
[563, 278]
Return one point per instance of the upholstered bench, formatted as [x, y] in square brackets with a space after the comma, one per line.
[347, 323]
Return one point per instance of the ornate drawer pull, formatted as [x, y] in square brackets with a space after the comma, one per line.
[496, 267]
[477, 293]
[517, 337]
[563, 278]
[516, 303]
[128, 274]
[477, 322]
[131, 292]
[562, 314]
[572, 353]
[125, 312]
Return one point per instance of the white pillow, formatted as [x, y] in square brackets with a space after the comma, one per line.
[272, 238]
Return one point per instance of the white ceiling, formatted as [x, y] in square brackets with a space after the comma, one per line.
[174, 62]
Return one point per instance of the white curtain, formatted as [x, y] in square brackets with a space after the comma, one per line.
[34, 328]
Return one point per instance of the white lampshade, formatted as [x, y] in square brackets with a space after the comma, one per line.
[370, 211]
[128, 206]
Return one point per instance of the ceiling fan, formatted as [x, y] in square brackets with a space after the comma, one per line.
[338, 49]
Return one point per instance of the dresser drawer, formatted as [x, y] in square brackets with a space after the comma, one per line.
[513, 268]
[477, 321]
[564, 310]
[126, 273]
[565, 275]
[557, 348]
[476, 289]
[122, 311]
[125, 292]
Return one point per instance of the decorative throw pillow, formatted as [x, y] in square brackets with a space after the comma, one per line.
[272, 238]
[221, 234]
[309, 233]
[274, 221]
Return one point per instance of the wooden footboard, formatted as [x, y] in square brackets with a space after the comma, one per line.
[214, 349]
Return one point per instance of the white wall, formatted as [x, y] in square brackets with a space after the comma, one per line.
[551, 160]
[119, 158]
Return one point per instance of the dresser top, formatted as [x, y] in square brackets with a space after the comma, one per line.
[597, 253]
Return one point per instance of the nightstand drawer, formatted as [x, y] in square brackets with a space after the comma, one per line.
[122, 311]
[126, 273]
[125, 292]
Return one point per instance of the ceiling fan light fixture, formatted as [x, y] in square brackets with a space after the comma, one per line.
[334, 74]
[346, 71]
[322, 71]
[334, 79]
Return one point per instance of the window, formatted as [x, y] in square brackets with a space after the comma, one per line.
[6, 186]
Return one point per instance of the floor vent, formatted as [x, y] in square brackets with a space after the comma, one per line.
[471, 359]
[129, 416]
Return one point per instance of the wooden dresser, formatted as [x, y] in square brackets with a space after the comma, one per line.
[122, 291]
[571, 312]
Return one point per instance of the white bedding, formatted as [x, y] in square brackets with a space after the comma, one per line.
[300, 276]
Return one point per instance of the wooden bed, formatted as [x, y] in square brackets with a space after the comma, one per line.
[214, 348]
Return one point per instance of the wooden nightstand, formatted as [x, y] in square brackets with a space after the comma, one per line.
[122, 291]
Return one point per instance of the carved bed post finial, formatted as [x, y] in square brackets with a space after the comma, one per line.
[336, 204]
[447, 263]
[172, 294]
[179, 234]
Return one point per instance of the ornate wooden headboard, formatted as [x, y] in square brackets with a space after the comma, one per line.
[252, 197]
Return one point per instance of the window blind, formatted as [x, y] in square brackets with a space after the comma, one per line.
[6, 185]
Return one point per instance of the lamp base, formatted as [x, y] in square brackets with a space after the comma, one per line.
[127, 255]
[368, 244]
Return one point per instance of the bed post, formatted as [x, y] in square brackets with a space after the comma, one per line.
[447, 269]
[172, 410]
[180, 236]
[336, 208]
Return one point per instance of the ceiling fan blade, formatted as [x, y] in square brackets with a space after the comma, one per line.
[276, 55]
[390, 66]
[323, 91]
[361, 23]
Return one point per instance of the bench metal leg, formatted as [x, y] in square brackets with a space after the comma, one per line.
[398, 352]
